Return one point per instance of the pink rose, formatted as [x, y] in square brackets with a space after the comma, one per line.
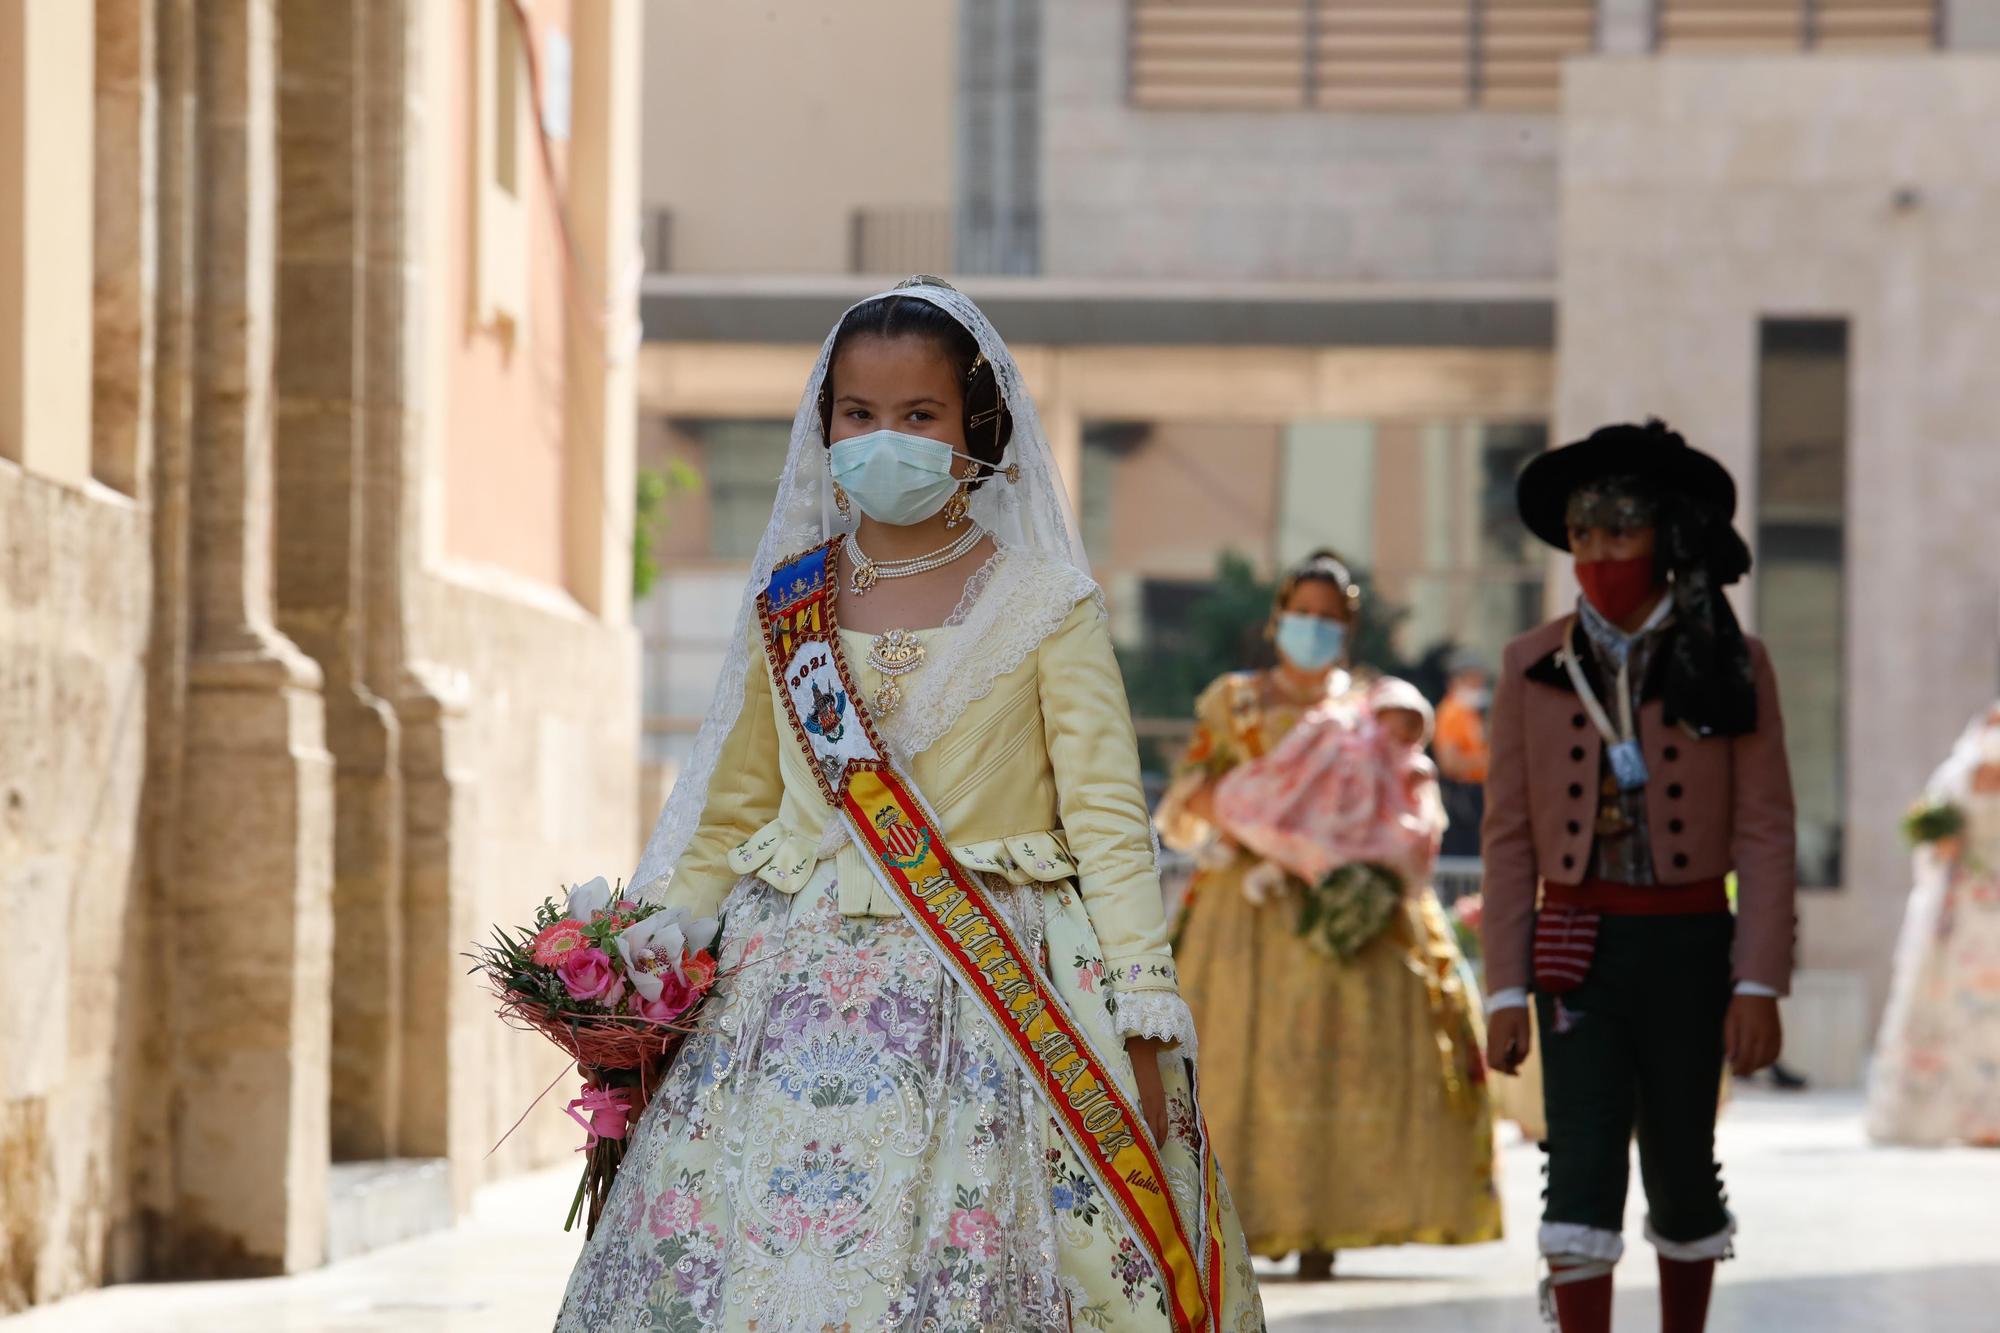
[675, 999]
[975, 1231]
[588, 975]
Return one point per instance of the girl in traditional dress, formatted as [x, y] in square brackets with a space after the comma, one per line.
[1936, 1077]
[942, 922]
[1346, 1097]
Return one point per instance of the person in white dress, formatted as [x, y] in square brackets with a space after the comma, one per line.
[1936, 1075]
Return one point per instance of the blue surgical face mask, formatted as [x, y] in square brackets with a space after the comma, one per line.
[1309, 643]
[897, 479]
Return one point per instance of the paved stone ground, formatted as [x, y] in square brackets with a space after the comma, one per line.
[1839, 1237]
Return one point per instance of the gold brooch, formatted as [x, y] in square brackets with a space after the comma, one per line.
[894, 654]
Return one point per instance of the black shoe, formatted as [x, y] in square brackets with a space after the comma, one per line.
[1784, 1080]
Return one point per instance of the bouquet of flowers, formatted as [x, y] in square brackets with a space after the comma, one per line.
[615, 983]
[1933, 820]
[1342, 913]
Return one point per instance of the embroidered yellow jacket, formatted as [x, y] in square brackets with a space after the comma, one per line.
[1036, 781]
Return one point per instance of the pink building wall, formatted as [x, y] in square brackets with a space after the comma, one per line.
[503, 485]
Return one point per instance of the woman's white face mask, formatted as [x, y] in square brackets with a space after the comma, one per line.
[897, 479]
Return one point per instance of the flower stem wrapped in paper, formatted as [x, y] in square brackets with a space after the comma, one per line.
[1346, 804]
[614, 983]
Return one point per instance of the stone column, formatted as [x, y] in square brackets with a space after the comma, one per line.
[250, 916]
[446, 1020]
[323, 536]
[148, 1112]
[603, 334]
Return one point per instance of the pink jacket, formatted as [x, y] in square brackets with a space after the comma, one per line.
[1713, 805]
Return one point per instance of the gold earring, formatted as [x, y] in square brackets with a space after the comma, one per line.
[960, 504]
[840, 501]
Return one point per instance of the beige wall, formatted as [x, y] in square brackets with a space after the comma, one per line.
[542, 756]
[46, 105]
[1193, 490]
[767, 125]
[1703, 194]
[76, 984]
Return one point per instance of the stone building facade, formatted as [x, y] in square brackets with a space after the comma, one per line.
[315, 645]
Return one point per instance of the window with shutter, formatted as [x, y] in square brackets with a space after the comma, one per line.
[1789, 25]
[1444, 55]
[1874, 25]
[1522, 46]
[1218, 54]
[1392, 55]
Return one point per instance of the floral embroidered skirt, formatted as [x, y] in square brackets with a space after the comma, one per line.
[1936, 1077]
[847, 1145]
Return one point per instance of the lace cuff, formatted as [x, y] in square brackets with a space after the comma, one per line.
[1161, 1015]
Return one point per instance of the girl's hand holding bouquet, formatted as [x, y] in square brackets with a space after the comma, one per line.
[615, 983]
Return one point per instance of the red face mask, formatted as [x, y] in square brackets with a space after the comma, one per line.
[1619, 588]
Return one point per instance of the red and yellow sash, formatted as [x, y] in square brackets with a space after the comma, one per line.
[954, 912]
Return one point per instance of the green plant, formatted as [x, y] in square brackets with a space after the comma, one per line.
[650, 491]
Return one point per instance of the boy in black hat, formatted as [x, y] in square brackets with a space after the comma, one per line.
[1638, 759]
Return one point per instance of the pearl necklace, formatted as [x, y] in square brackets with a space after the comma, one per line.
[868, 572]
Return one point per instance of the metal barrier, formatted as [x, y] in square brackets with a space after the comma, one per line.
[1457, 876]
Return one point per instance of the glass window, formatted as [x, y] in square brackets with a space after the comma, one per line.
[1802, 568]
[1105, 443]
[741, 461]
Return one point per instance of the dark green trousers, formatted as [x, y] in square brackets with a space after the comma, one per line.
[1637, 1049]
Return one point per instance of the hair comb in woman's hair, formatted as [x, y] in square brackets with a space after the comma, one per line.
[1329, 567]
[924, 280]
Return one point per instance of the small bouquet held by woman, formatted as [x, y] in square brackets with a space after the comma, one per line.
[615, 983]
[1346, 803]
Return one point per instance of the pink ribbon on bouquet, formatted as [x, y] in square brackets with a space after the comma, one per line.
[610, 1114]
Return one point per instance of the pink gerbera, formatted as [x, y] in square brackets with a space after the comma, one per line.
[558, 941]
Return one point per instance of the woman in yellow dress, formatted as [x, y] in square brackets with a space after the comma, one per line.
[1346, 1099]
[903, 1107]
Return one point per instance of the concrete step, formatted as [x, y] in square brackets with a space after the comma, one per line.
[374, 1204]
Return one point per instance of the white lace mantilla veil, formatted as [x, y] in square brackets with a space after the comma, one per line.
[1041, 562]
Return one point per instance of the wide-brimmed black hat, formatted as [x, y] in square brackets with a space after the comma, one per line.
[1652, 454]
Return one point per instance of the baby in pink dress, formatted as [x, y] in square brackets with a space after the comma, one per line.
[1350, 782]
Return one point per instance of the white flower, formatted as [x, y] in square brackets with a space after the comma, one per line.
[658, 944]
[586, 900]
